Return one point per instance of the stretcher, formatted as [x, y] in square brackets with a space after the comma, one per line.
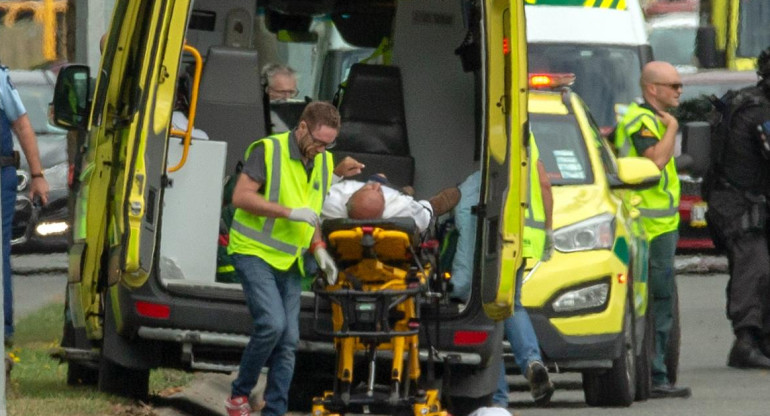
[375, 309]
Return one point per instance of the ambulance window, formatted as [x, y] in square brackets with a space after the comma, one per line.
[562, 149]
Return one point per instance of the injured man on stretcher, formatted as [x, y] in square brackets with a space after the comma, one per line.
[376, 199]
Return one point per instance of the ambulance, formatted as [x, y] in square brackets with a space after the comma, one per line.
[604, 43]
[143, 290]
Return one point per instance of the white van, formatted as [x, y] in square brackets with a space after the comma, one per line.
[605, 47]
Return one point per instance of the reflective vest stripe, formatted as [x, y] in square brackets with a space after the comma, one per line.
[625, 148]
[264, 237]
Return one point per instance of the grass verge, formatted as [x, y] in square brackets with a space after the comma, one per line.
[38, 383]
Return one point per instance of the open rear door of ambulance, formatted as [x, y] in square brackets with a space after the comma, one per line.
[503, 186]
[151, 43]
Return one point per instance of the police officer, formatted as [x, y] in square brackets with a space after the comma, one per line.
[13, 118]
[274, 238]
[649, 130]
[738, 215]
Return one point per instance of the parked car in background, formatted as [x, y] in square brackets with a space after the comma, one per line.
[38, 227]
[672, 37]
[695, 106]
[588, 304]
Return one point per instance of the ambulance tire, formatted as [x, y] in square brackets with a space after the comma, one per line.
[78, 373]
[644, 359]
[674, 340]
[115, 378]
[617, 386]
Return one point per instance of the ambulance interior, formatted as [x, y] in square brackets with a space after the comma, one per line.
[418, 119]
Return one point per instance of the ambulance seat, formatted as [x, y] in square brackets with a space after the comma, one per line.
[230, 107]
[373, 129]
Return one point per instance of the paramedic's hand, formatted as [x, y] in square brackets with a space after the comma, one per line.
[668, 120]
[348, 167]
[548, 248]
[304, 215]
[326, 263]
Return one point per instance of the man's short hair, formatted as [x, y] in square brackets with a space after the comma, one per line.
[320, 113]
[273, 69]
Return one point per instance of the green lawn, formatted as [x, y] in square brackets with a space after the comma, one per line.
[38, 385]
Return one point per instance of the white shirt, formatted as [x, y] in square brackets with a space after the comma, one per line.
[397, 204]
[179, 122]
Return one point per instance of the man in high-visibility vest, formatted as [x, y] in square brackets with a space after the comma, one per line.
[537, 244]
[649, 130]
[274, 241]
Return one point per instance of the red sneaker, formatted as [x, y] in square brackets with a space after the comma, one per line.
[238, 406]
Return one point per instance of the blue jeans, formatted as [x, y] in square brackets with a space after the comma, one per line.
[273, 298]
[8, 184]
[662, 250]
[521, 335]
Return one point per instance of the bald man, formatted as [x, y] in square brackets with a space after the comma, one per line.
[376, 199]
[648, 129]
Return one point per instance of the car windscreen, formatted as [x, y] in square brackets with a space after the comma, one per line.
[605, 75]
[675, 45]
[562, 149]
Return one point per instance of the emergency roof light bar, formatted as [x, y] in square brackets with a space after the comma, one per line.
[550, 80]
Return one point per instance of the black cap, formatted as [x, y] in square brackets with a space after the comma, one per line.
[763, 63]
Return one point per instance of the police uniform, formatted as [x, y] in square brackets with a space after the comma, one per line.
[270, 257]
[737, 213]
[11, 108]
[639, 130]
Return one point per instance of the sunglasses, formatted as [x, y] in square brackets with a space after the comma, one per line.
[673, 86]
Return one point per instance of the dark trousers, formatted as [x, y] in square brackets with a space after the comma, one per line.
[748, 290]
[662, 283]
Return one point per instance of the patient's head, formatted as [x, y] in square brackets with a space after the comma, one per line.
[367, 203]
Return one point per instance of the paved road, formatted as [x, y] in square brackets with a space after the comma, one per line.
[706, 338]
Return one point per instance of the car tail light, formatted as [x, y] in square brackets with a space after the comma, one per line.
[153, 310]
[470, 337]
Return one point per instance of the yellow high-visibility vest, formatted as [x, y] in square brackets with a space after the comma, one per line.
[279, 241]
[660, 203]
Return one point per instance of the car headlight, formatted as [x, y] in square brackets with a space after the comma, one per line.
[592, 234]
[590, 297]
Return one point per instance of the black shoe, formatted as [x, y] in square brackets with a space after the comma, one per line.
[663, 391]
[746, 355]
[764, 345]
[540, 384]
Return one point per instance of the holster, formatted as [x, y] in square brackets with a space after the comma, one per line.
[13, 160]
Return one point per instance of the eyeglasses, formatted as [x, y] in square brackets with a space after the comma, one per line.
[282, 93]
[673, 85]
[321, 143]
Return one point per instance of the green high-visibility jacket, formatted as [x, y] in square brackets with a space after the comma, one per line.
[660, 203]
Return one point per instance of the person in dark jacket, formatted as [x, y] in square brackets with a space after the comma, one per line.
[737, 215]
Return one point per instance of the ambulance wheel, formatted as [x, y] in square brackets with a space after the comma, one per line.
[78, 373]
[616, 386]
[644, 359]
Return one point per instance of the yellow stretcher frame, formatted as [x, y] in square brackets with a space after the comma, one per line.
[375, 307]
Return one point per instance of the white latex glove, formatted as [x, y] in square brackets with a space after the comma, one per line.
[548, 246]
[326, 263]
[305, 215]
